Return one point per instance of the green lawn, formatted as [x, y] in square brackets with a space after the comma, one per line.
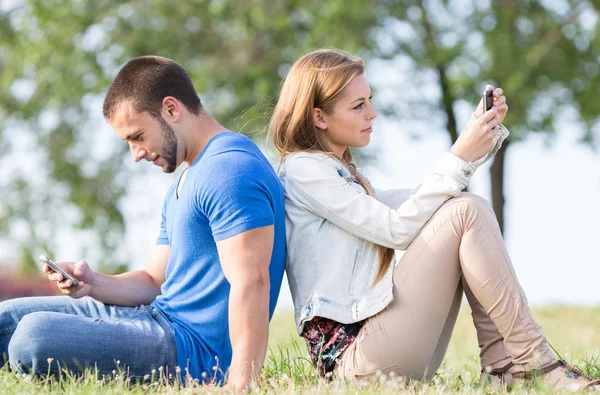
[572, 331]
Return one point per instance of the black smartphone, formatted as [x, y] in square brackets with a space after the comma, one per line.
[487, 100]
[58, 269]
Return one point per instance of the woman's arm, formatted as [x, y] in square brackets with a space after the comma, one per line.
[393, 198]
[316, 184]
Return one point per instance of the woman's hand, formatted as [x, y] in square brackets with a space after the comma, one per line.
[498, 102]
[478, 139]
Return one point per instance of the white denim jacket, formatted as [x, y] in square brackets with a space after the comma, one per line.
[333, 227]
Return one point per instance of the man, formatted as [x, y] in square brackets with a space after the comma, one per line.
[203, 301]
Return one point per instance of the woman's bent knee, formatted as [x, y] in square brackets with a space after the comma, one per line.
[472, 201]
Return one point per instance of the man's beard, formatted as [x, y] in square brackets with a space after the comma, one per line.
[169, 148]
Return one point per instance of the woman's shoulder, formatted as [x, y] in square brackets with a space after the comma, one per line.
[303, 164]
[306, 154]
[305, 158]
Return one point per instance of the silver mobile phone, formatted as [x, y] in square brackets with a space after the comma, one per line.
[487, 100]
[58, 269]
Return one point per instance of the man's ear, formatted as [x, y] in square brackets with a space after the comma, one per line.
[319, 119]
[171, 108]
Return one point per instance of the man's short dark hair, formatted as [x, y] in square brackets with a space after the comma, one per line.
[145, 81]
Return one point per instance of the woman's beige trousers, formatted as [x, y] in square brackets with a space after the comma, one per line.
[459, 249]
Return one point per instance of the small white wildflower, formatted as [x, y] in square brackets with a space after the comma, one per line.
[114, 372]
[204, 375]
[177, 369]
[118, 361]
[153, 372]
[147, 377]
[160, 369]
[50, 360]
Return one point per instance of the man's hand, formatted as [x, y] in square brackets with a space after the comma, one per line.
[80, 270]
[131, 288]
[245, 259]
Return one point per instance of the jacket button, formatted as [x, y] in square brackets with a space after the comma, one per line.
[467, 173]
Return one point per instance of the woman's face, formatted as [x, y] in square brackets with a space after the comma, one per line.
[349, 124]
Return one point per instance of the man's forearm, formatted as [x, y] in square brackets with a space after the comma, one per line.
[249, 330]
[133, 288]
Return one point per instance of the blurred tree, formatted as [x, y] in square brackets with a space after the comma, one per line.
[544, 54]
[57, 59]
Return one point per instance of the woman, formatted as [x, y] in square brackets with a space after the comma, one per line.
[360, 311]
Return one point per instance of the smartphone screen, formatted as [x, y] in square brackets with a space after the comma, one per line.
[58, 269]
[488, 99]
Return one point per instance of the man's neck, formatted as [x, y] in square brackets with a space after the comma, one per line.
[203, 129]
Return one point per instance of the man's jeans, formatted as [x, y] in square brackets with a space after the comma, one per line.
[36, 334]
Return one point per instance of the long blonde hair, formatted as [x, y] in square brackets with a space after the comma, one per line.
[315, 81]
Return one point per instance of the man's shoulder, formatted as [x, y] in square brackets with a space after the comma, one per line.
[230, 141]
[236, 153]
[232, 159]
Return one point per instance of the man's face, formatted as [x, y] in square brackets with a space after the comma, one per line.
[149, 138]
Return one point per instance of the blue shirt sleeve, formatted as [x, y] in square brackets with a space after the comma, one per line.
[233, 194]
[163, 237]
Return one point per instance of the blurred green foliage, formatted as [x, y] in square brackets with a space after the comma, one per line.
[236, 52]
[544, 54]
[56, 56]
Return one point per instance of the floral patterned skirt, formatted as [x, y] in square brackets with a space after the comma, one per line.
[326, 340]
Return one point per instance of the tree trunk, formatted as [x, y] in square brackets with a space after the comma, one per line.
[447, 101]
[497, 179]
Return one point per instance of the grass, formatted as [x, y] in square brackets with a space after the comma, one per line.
[572, 331]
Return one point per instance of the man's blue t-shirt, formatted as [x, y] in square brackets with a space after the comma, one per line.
[229, 189]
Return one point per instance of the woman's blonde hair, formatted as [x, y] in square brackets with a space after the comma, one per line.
[315, 81]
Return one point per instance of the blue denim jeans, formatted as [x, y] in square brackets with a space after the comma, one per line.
[36, 334]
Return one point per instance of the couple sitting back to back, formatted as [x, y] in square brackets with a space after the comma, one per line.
[200, 307]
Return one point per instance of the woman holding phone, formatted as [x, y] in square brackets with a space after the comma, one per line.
[361, 312]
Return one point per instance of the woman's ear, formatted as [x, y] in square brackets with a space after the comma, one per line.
[318, 119]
